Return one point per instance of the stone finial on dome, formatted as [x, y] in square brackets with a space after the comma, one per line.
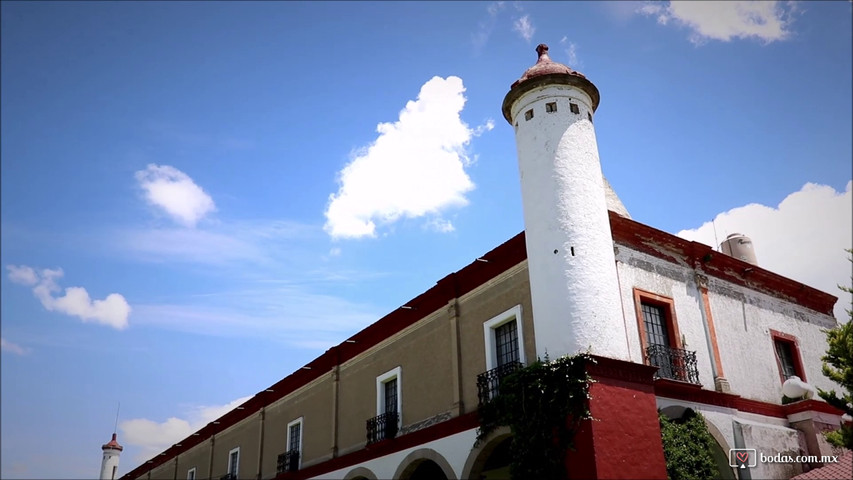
[546, 71]
[542, 50]
[545, 66]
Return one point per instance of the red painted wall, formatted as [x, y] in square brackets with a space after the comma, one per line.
[624, 440]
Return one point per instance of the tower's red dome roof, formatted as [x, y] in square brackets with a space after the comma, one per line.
[545, 66]
[547, 72]
[112, 445]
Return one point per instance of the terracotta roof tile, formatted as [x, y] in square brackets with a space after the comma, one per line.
[843, 470]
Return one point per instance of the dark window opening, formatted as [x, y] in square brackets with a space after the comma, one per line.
[528, 114]
[390, 395]
[589, 116]
[656, 328]
[785, 354]
[295, 431]
[574, 108]
[551, 107]
[506, 343]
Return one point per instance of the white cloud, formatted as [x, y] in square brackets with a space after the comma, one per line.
[111, 311]
[440, 225]
[804, 238]
[10, 347]
[768, 21]
[154, 437]
[524, 27]
[485, 27]
[23, 275]
[335, 252]
[415, 167]
[287, 314]
[571, 50]
[175, 193]
[236, 243]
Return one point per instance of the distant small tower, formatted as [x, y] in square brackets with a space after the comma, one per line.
[109, 465]
[573, 283]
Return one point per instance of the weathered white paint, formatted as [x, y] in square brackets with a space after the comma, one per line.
[454, 448]
[109, 460]
[639, 270]
[569, 245]
[742, 317]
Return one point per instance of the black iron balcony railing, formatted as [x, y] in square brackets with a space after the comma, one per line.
[382, 427]
[489, 382]
[673, 363]
[288, 461]
[228, 476]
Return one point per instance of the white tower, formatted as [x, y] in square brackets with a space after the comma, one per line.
[574, 288]
[109, 464]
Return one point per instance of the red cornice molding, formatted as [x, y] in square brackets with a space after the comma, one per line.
[696, 394]
[697, 255]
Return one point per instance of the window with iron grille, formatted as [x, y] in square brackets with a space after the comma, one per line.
[390, 388]
[506, 343]
[233, 462]
[294, 437]
[786, 358]
[657, 332]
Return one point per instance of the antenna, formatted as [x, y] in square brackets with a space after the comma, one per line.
[116, 424]
[716, 241]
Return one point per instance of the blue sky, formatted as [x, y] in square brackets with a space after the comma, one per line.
[198, 198]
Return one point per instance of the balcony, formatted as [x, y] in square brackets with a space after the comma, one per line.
[228, 476]
[673, 363]
[288, 462]
[488, 383]
[382, 427]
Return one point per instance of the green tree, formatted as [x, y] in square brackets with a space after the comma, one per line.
[687, 447]
[838, 367]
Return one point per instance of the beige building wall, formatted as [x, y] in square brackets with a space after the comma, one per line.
[479, 306]
[314, 404]
[197, 457]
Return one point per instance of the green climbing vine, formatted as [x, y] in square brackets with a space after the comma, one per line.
[687, 447]
[543, 404]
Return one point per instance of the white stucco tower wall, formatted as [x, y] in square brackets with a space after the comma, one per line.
[109, 464]
[573, 282]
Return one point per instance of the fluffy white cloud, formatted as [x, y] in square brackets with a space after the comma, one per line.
[524, 27]
[23, 275]
[10, 347]
[175, 193]
[112, 311]
[768, 21]
[154, 437]
[415, 167]
[804, 238]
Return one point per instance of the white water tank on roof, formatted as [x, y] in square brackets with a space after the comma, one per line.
[739, 246]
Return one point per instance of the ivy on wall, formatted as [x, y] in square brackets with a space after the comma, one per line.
[687, 447]
[543, 404]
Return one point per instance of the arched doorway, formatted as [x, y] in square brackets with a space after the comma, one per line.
[490, 460]
[719, 447]
[360, 473]
[424, 464]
